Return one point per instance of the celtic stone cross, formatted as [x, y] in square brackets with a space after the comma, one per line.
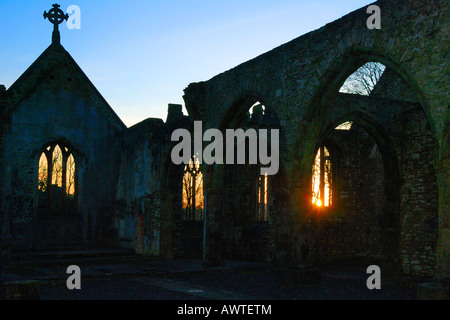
[56, 16]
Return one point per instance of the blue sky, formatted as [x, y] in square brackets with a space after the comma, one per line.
[141, 54]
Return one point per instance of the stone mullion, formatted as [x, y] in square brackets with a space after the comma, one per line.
[75, 177]
[266, 204]
[216, 196]
[49, 155]
[257, 198]
[261, 198]
[194, 182]
[65, 156]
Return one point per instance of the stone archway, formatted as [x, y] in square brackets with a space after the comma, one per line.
[302, 77]
[170, 206]
[363, 224]
[392, 129]
[233, 226]
[56, 220]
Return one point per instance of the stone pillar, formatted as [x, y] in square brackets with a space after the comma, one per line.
[280, 220]
[440, 288]
[166, 226]
[390, 228]
[174, 113]
[443, 254]
[214, 229]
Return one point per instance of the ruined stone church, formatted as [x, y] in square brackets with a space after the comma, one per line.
[363, 176]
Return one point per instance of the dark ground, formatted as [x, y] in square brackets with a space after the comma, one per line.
[111, 276]
[246, 285]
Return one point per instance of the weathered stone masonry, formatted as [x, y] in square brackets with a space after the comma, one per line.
[390, 171]
[54, 101]
[299, 82]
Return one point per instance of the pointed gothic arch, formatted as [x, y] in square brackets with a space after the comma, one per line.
[57, 179]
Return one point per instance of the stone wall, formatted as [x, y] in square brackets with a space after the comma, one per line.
[419, 210]
[363, 217]
[388, 196]
[188, 242]
[4, 121]
[147, 205]
[299, 81]
[354, 231]
[137, 196]
[56, 114]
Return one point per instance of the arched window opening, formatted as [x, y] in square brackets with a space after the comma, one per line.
[322, 179]
[259, 116]
[193, 198]
[345, 126]
[363, 80]
[70, 179]
[57, 167]
[263, 198]
[257, 108]
[56, 178]
[43, 173]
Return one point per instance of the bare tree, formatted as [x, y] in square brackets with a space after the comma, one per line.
[70, 181]
[57, 166]
[193, 200]
[43, 173]
[322, 178]
[187, 195]
[57, 171]
[363, 80]
[316, 194]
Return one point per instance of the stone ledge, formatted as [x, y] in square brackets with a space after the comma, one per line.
[21, 290]
[432, 291]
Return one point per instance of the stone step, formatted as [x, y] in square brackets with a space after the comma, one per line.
[67, 256]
